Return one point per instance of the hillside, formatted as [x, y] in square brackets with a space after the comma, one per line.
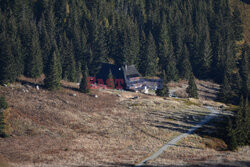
[67, 128]
[197, 48]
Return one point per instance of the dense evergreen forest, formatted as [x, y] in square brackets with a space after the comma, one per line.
[178, 37]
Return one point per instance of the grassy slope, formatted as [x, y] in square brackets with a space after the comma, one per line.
[59, 129]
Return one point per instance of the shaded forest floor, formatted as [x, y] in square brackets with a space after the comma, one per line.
[67, 128]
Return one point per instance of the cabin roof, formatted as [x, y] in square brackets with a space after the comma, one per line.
[131, 71]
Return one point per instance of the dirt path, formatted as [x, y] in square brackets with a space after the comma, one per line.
[208, 118]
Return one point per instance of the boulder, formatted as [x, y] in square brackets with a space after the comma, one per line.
[134, 98]
[25, 91]
[74, 95]
[28, 86]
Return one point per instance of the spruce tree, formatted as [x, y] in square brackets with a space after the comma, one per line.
[84, 82]
[231, 137]
[217, 61]
[205, 56]
[163, 55]
[60, 12]
[84, 48]
[194, 54]
[3, 106]
[69, 64]
[225, 91]
[236, 85]
[34, 64]
[247, 120]
[16, 46]
[237, 24]
[26, 33]
[125, 54]
[135, 44]
[99, 49]
[164, 42]
[59, 58]
[3, 103]
[78, 72]
[164, 91]
[171, 70]
[244, 72]
[246, 52]
[151, 58]
[185, 67]
[239, 127]
[116, 46]
[50, 22]
[45, 42]
[142, 60]
[7, 62]
[2, 124]
[192, 88]
[52, 80]
[80, 45]
[130, 43]
[17, 53]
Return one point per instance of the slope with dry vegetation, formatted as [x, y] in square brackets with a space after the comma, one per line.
[68, 128]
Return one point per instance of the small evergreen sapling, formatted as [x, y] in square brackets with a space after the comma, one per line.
[192, 88]
[52, 80]
[3, 103]
[84, 82]
[3, 106]
[232, 142]
[164, 91]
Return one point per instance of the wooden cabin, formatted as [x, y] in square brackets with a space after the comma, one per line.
[134, 81]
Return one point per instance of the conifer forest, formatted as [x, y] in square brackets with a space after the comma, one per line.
[180, 37]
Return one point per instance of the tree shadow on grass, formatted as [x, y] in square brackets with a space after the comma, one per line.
[70, 88]
[183, 122]
[32, 84]
[23, 82]
[209, 87]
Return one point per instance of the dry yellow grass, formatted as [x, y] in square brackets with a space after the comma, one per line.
[58, 129]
